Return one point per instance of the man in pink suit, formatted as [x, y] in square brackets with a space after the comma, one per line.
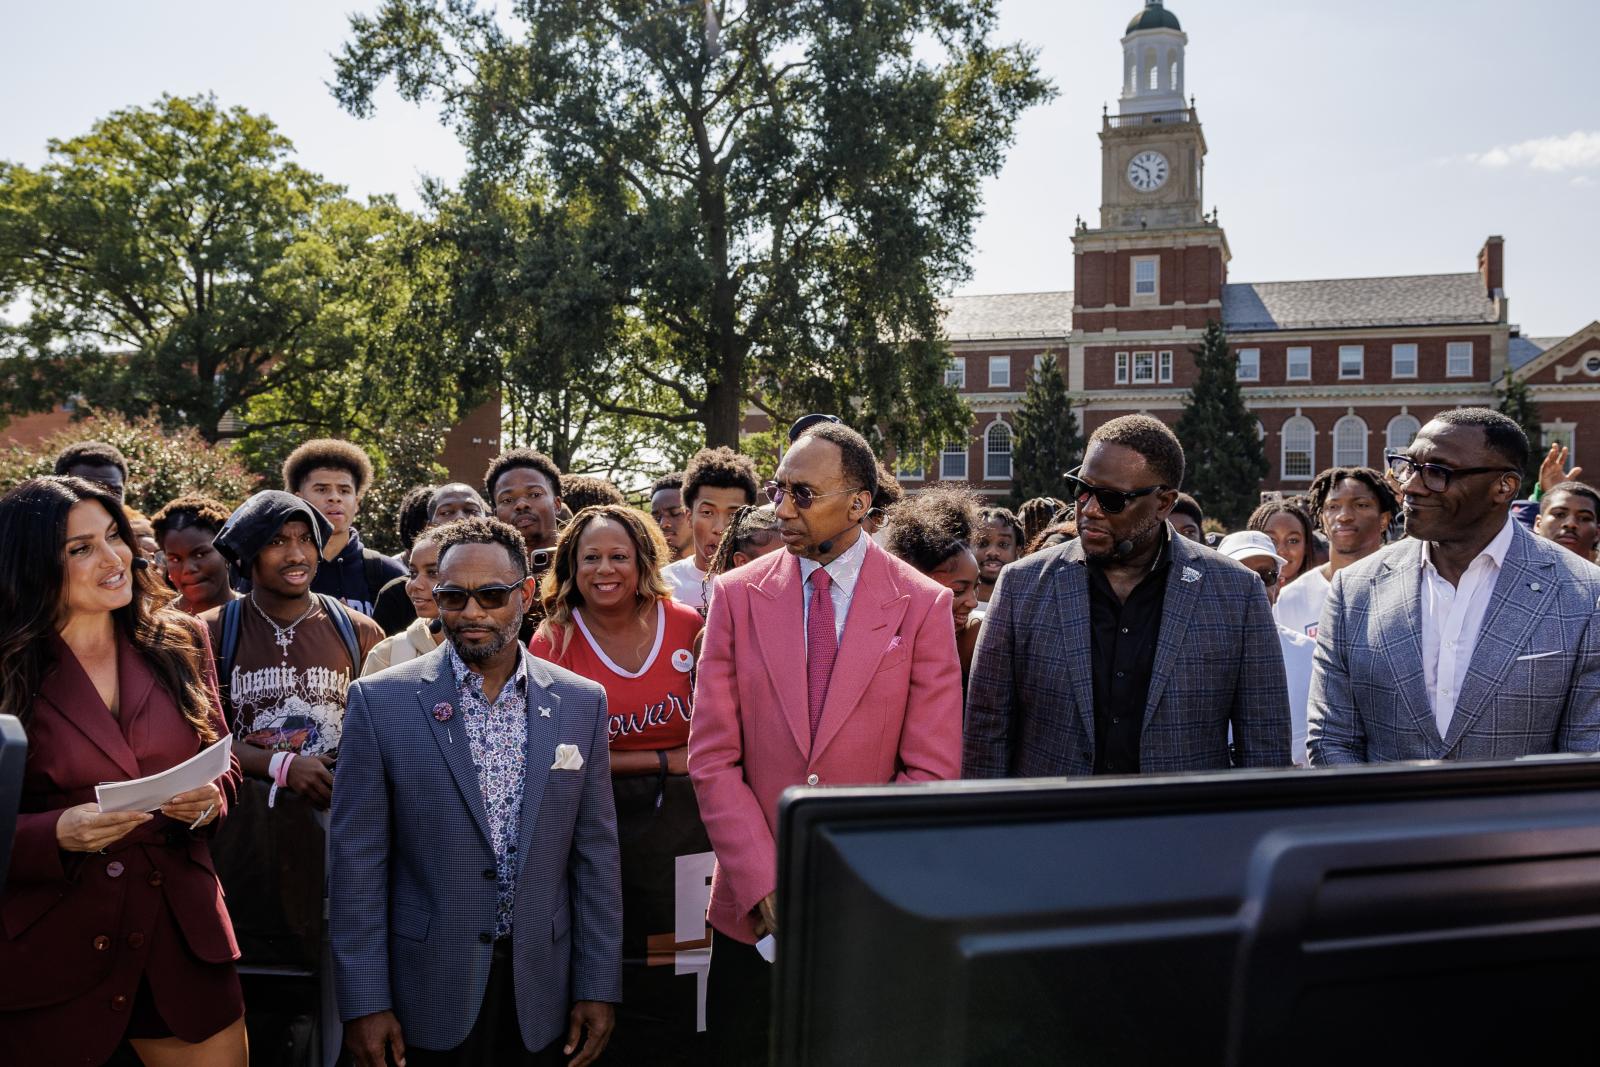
[830, 664]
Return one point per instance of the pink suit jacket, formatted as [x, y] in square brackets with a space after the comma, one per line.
[893, 712]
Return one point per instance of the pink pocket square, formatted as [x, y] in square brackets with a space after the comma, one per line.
[894, 643]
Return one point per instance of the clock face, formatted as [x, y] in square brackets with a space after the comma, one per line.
[1148, 171]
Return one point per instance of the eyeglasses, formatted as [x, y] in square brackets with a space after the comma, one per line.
[1268, 578]
[489, 597]
[1111, 501]
[1435, 476]
[877, 514]
[803, 497]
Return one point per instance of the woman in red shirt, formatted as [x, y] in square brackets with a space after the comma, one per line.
[610, 617]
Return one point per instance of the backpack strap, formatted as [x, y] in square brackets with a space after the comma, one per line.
[232, 620]
[347, 630]
[372, 571]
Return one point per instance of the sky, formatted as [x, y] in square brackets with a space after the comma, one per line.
[1349, 139]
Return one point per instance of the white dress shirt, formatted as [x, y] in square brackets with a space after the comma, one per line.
[844, 570]
[1452, 615]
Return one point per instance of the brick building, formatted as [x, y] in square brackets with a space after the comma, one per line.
[1335, 371]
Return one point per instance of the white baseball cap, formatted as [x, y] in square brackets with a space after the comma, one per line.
[1247, 543]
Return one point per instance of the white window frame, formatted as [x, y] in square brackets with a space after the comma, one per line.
[1288, 364]
[1283, 451]
[1360, 354]
[909, 474]
[1001, 380]
[1350, 424]
[1124, 375]
[1164, 368]
[1147, 362]
[1564, 432]
[1389, 442]
[949, 453]
[1154, 294]
[1254, 363]
[955, 375]
[1453, 351]
[991, 455]
[1395, 357]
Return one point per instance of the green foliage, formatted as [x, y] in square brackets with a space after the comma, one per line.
[408, 456]
[765, 213]
[1048, 441]
[1225, 459]
[1516, 402]
[162, 464]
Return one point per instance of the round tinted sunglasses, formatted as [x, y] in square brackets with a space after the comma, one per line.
[803, 496]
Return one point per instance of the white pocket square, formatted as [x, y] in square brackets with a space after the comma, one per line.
[567, 758]
[1538, 655]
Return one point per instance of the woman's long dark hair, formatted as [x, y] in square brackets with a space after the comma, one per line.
[33, 578]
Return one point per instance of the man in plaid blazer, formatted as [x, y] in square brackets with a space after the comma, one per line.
[475, 891]
[1072, 632]
[1470, 639]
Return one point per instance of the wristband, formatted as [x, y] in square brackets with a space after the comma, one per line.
[279, 767]
[274, 765]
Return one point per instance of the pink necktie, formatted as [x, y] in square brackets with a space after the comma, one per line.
[822, 645]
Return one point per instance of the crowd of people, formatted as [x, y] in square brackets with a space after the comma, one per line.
[512, 758]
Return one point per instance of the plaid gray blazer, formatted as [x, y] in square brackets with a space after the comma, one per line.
[1533, 684]
[1030, 699]
[409, 840]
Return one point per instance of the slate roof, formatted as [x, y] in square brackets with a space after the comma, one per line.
[1417, 300]
[1525, 350]
[1007, 315]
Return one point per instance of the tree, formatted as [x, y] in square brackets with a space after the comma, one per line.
[1518, 404]
[1048, 439]
[783, 188]
[1225, 459]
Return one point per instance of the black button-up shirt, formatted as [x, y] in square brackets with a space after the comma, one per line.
[1124, 654]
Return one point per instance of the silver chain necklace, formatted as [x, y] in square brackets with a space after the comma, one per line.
[283, 635]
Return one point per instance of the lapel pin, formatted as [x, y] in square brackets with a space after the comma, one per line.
[544, 712]
[1190, 574]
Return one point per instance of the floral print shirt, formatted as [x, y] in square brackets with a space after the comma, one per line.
[498, 736]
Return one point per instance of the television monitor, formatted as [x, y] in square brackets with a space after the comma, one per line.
[13, 754]
[1386, 914]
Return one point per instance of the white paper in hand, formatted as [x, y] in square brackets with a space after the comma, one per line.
[148, 794]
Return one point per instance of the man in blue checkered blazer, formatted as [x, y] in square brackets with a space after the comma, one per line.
[1471, 638]
[476, 898]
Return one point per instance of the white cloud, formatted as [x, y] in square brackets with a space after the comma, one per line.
[1579, 150]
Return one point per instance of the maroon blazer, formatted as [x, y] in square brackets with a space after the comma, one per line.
[79, 930]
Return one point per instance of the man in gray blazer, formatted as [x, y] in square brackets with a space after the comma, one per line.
[475, 889]
[1470, 639]
[1129, 650]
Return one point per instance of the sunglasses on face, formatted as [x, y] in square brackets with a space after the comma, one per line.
[489, 597]
[1268, 578]
[803, 496]
[1435, 476]
[1111, 501]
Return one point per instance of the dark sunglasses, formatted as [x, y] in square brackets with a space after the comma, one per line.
[1435, 476]
[1269, 578]
[803, 497]
[489, 597]
[1111, 501]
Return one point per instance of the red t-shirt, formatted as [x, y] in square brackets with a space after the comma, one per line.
[650, 709]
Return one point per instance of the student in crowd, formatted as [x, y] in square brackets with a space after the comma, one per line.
[1471, 638]
[1038, 514]
[999, 544]
[115, 929]
[452, 501]
[1052, 536]
[1354, 506]
[411, 517]
[1188, 519]
[888, 495]
[476, 905]
[579, 491]
[1255, 550]
[1567, 516]
[610, 618]
[666, 507]
[933, 532]
[425, 631]
[395, 610]
[185, 529]
[832, 663]
[332, 476]
[98, 462]
[717, 483]
[752, 533]
[524, 488]
[1289, 526]
[1130, 650]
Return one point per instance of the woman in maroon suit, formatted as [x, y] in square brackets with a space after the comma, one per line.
[112, 926]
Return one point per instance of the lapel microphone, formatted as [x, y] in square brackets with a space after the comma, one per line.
[140, 563]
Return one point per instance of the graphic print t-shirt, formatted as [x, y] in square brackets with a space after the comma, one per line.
[1299, 606]
[650, 708]
[296, 706]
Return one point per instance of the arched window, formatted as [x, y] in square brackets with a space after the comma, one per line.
[997, 453]
[1299, 448]
[1401, 432]
[1155, 73]
[1350, 442]
[1172, 81]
